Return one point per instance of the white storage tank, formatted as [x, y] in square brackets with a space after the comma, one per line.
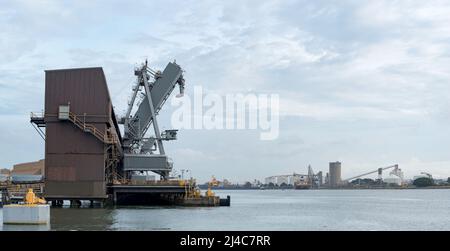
[393, 180]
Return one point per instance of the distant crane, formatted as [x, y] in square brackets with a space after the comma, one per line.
[212, 183]
[427, 174]
[312, 180]
[379, 171]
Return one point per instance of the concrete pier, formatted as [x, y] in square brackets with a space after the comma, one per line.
[26, 214]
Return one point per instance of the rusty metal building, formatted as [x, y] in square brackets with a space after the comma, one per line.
[83, 141]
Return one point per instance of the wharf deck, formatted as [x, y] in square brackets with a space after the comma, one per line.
[147, 189]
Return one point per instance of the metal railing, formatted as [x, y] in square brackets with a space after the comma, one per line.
[37, 115]
[104, 137]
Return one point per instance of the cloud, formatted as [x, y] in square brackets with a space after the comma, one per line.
[439, 169]
[364, 88]
[329, 111]
[191, 154]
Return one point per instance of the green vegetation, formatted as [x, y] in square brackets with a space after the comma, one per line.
[285, 186]
[247, 185]
[363, 182]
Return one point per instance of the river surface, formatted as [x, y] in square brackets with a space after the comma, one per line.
[272, 210]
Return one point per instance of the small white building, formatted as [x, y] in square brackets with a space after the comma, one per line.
[283, 179]
[271, 179]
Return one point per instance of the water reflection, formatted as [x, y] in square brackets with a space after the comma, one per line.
[68, 219]
[271, 210]
[42, 227]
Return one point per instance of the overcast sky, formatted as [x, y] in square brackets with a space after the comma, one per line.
[363, 82]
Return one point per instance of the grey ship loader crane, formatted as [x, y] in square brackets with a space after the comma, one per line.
[143, 153]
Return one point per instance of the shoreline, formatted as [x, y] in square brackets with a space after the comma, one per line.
[341, 188]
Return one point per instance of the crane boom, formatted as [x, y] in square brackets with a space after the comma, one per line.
[160, 90]
[365, 174]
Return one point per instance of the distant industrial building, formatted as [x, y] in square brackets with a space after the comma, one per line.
[283, 179]
[4, 174]
[393, 180]
[28, 172]
[24, 172]
[271, 179]
[298, 178]
[5, 171]
[320, 178]
[289, 179]
[420, 176]
[335, 174]
[29, 168]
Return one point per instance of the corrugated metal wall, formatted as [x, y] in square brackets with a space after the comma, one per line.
[75, 160]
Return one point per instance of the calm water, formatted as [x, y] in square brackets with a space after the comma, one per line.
[273, 210]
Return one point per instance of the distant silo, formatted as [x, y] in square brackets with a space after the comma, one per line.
[319, 179]
[335, 174]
